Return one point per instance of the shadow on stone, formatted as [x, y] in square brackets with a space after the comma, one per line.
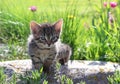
[97, 63]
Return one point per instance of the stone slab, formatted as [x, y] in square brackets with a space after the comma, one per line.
[92, 72]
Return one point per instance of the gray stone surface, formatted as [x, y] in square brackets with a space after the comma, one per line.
[92, 72]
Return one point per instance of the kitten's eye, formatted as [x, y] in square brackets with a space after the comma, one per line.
[54, 38]
[42, 38]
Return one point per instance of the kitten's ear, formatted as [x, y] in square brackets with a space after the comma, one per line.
[58, 25]
[34, 27]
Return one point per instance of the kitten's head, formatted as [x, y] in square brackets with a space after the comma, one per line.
[47, 34]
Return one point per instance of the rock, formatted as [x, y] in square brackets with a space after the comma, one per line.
[92, 72]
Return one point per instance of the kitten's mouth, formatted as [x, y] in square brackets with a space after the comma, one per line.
[48, 46]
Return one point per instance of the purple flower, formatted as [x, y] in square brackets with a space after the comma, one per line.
[111, 18]
[113, 4]
[105, 4]
[33, 8]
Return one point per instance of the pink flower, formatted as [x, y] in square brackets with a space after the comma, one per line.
[33, 8]
[113, 4]
[110, 18]
[105, 4]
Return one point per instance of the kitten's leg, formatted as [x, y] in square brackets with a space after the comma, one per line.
[46, 65]
[48, 62]
[64, 58]
[36, 62]
[64, 55]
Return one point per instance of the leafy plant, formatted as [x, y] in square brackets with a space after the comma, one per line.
[5, 80]
[2, 76]
[115, 78]
[36, 77]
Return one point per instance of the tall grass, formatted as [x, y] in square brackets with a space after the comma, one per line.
[85, 29]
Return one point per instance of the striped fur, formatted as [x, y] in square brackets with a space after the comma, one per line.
[44, 45]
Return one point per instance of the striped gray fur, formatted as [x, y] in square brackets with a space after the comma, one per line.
[44, 45]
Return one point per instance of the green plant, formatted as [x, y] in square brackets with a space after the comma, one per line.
[115, 78]
[12, 52]
[13, 79]
[2, 76]
[66, 80]
[36, 77]
[5, 80]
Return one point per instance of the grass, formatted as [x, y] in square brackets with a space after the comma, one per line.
[115, 78]
[86, 28]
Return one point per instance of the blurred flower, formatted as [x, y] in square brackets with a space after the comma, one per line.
[33, 8]
[110, 18]
[105, 4]
[45, 21]
[78, 49]
[88, 44]
[113, 4]
[71, 17]
[86, 25]
[108, 44]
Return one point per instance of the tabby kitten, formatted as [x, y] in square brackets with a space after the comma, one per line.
[44, 45]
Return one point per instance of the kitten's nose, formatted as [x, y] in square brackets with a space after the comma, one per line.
[49, 43]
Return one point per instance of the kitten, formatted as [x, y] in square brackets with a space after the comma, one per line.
[44, 45]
